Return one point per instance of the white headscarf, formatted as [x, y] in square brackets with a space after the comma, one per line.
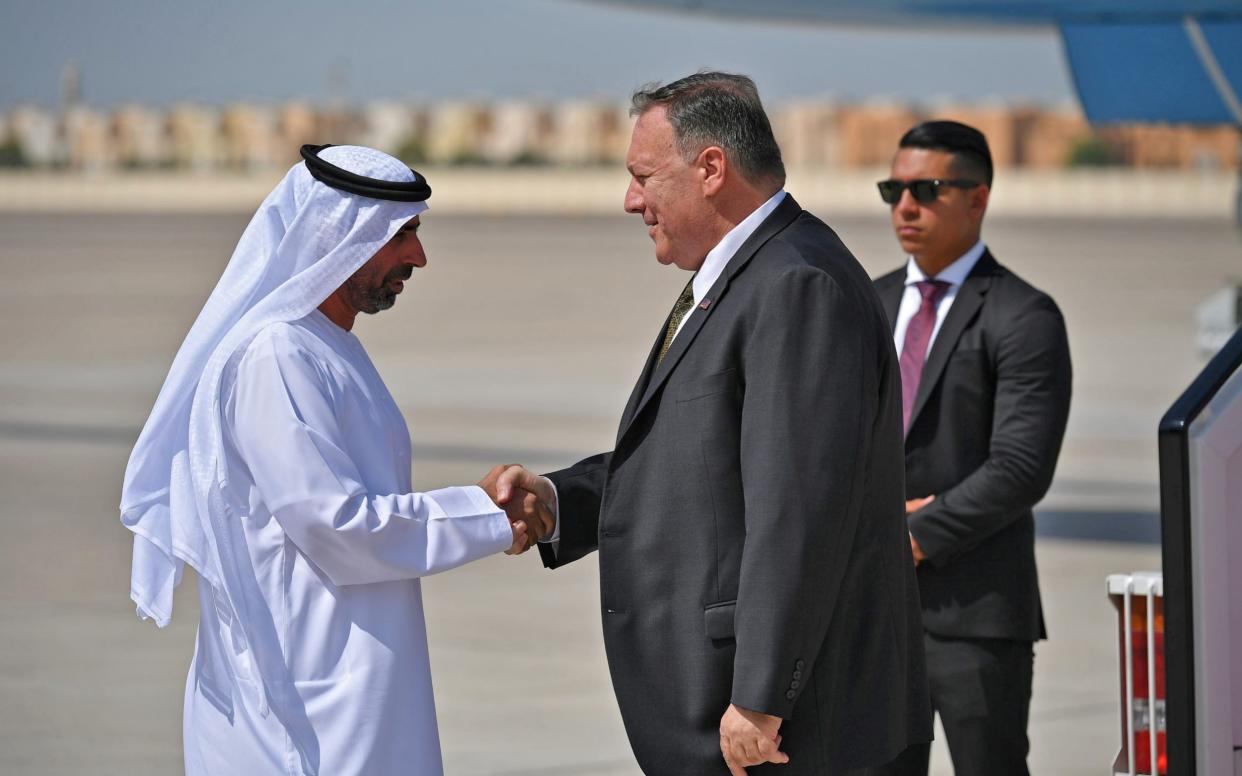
[305, 240]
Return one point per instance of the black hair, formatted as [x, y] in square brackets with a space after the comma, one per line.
[967, 145]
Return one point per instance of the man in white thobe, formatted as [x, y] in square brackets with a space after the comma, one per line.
[277, 465]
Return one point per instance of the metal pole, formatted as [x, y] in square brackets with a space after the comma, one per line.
[1151, 673]
[1131, 741]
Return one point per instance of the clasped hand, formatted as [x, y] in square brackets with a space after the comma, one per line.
[749, 738]
[528, 501]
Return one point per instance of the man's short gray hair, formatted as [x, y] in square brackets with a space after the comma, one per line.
[718, 109]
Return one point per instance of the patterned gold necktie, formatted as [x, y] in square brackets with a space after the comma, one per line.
[684, 303]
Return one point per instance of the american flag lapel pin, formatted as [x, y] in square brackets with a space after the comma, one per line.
[706, 303]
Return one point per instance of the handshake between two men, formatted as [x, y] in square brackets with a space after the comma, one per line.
[529, 501]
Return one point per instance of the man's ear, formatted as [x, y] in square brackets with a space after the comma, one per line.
[713, 167]
[979, 200]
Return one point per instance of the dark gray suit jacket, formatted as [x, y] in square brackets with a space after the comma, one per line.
[749, 522]
[988, 421]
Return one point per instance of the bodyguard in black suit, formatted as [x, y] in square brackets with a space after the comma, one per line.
[758, 595]
[986, 372]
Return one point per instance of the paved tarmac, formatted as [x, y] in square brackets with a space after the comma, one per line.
[519, 342]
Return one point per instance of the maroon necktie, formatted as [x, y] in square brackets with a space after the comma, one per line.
[914, 350]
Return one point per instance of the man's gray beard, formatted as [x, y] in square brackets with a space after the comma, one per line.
[381, 299]
[370, 300]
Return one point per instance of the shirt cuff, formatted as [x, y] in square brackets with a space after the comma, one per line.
[465, 501]
[472, 501]
[555, 538]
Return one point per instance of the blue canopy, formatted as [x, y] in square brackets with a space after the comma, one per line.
[1178, 61]
[1178, 70]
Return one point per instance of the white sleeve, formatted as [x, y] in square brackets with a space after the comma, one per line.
[289, 436]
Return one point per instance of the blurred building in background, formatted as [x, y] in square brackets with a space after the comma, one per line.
[814, 134]
[140, 138]
[513, 132]
[248, 137]
[587, 133]
[195, 140]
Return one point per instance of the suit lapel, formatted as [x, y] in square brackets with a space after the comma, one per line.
[653, 377]
[631, 406]
[965, 307]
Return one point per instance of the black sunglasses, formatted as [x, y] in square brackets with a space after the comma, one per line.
[924, 190]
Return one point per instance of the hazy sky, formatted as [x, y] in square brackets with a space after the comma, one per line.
[223, 50]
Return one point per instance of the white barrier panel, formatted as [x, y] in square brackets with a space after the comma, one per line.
[1216, 530]
[1201, 532]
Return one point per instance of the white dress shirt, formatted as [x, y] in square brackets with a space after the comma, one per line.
[718, 258]
[954, 274]
[709, 272]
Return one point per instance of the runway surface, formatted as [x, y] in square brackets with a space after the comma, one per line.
[519, 342]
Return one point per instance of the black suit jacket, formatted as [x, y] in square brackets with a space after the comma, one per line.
[750, 525]
[988, 421]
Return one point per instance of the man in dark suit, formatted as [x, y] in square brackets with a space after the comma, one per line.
[758, 593]
[985, 372]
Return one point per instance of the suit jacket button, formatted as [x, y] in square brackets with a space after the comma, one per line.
[794, 684]
[800, 665]
[791, 695]
[797, 674]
